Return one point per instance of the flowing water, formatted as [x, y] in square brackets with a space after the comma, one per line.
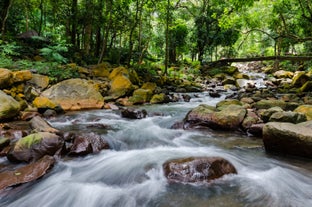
[130, 174]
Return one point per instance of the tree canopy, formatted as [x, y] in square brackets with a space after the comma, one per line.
[133, 31]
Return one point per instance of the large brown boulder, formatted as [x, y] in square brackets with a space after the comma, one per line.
[26, 173]
[197, 169]
[35, 146]
[75, 94]
[39, 81]
[288, 138]
[229, 118]
[9, 107]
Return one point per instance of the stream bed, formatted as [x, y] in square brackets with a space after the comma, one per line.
[130, 174]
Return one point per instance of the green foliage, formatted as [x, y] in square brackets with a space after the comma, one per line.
[54, 53]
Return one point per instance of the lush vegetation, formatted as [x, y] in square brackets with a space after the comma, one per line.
[146, 32]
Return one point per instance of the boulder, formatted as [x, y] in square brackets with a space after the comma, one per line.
[307, 87]
[288, 116]
[250, 119]
[306, 110]
[133, 114]
[35, 146]
[266, 104]
[75, 94]
[5, 78]
[197, 169]
[101, 70]
[26, 173]
[300, 78]
[9, 107]
[283, 74]
[141, 96]
[229, 118]
[44, 103]
[39, 81]
[87, 144]
[120, 86]
[288, 138]
[21, 76]
[265, 114]
[40, 125]
[227, 102]
[159, 98]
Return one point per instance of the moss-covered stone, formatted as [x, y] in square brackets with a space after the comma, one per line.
[44, 102]
[141, 96]
[9, 107]
[305, 109]
[159, 98]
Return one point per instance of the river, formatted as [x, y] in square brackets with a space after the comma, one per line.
[131, 175]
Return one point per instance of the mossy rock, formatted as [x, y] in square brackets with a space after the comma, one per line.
[9, 107]
[305, 109]
[307, 87]
[141, 96]
[228, 102]
[159, 98]
[117, 72]
[101, 70]
[44, 102]
[300, 78]
[266, 104]
[22, 76]
[120, 86]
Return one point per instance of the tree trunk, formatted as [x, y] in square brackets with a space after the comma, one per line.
[4, 15]
[167, 38]
[109, 10]
[74, 11]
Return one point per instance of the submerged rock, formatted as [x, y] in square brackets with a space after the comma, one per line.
[288, 138]
[197, 169]
[26, 173]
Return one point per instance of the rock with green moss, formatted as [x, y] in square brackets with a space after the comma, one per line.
[228, 102]
[9, 107]
[35, 146]
[288, 116]
[300, 78]
[141, 96]
[159, 98]
[306, 87]
[306, 110]
[266, 104]
[267, 113]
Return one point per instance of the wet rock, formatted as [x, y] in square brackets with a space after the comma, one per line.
[87, 144]
[35, 146]
[288, 138]
[250, 119]
[133, 114]
[266, 104]
[222, 104]
[159, 98]
[75, 94]
[288, 116]
[28, 115]
[197, 169]
[186, 97]
[266, 114]
[40, 125]
[229, 118]
[4, 142]
[256, 129]
[26, 173]
[307, 87]
[214, 94]
[9, 107]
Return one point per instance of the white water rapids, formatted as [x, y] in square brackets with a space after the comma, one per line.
[130, 174]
